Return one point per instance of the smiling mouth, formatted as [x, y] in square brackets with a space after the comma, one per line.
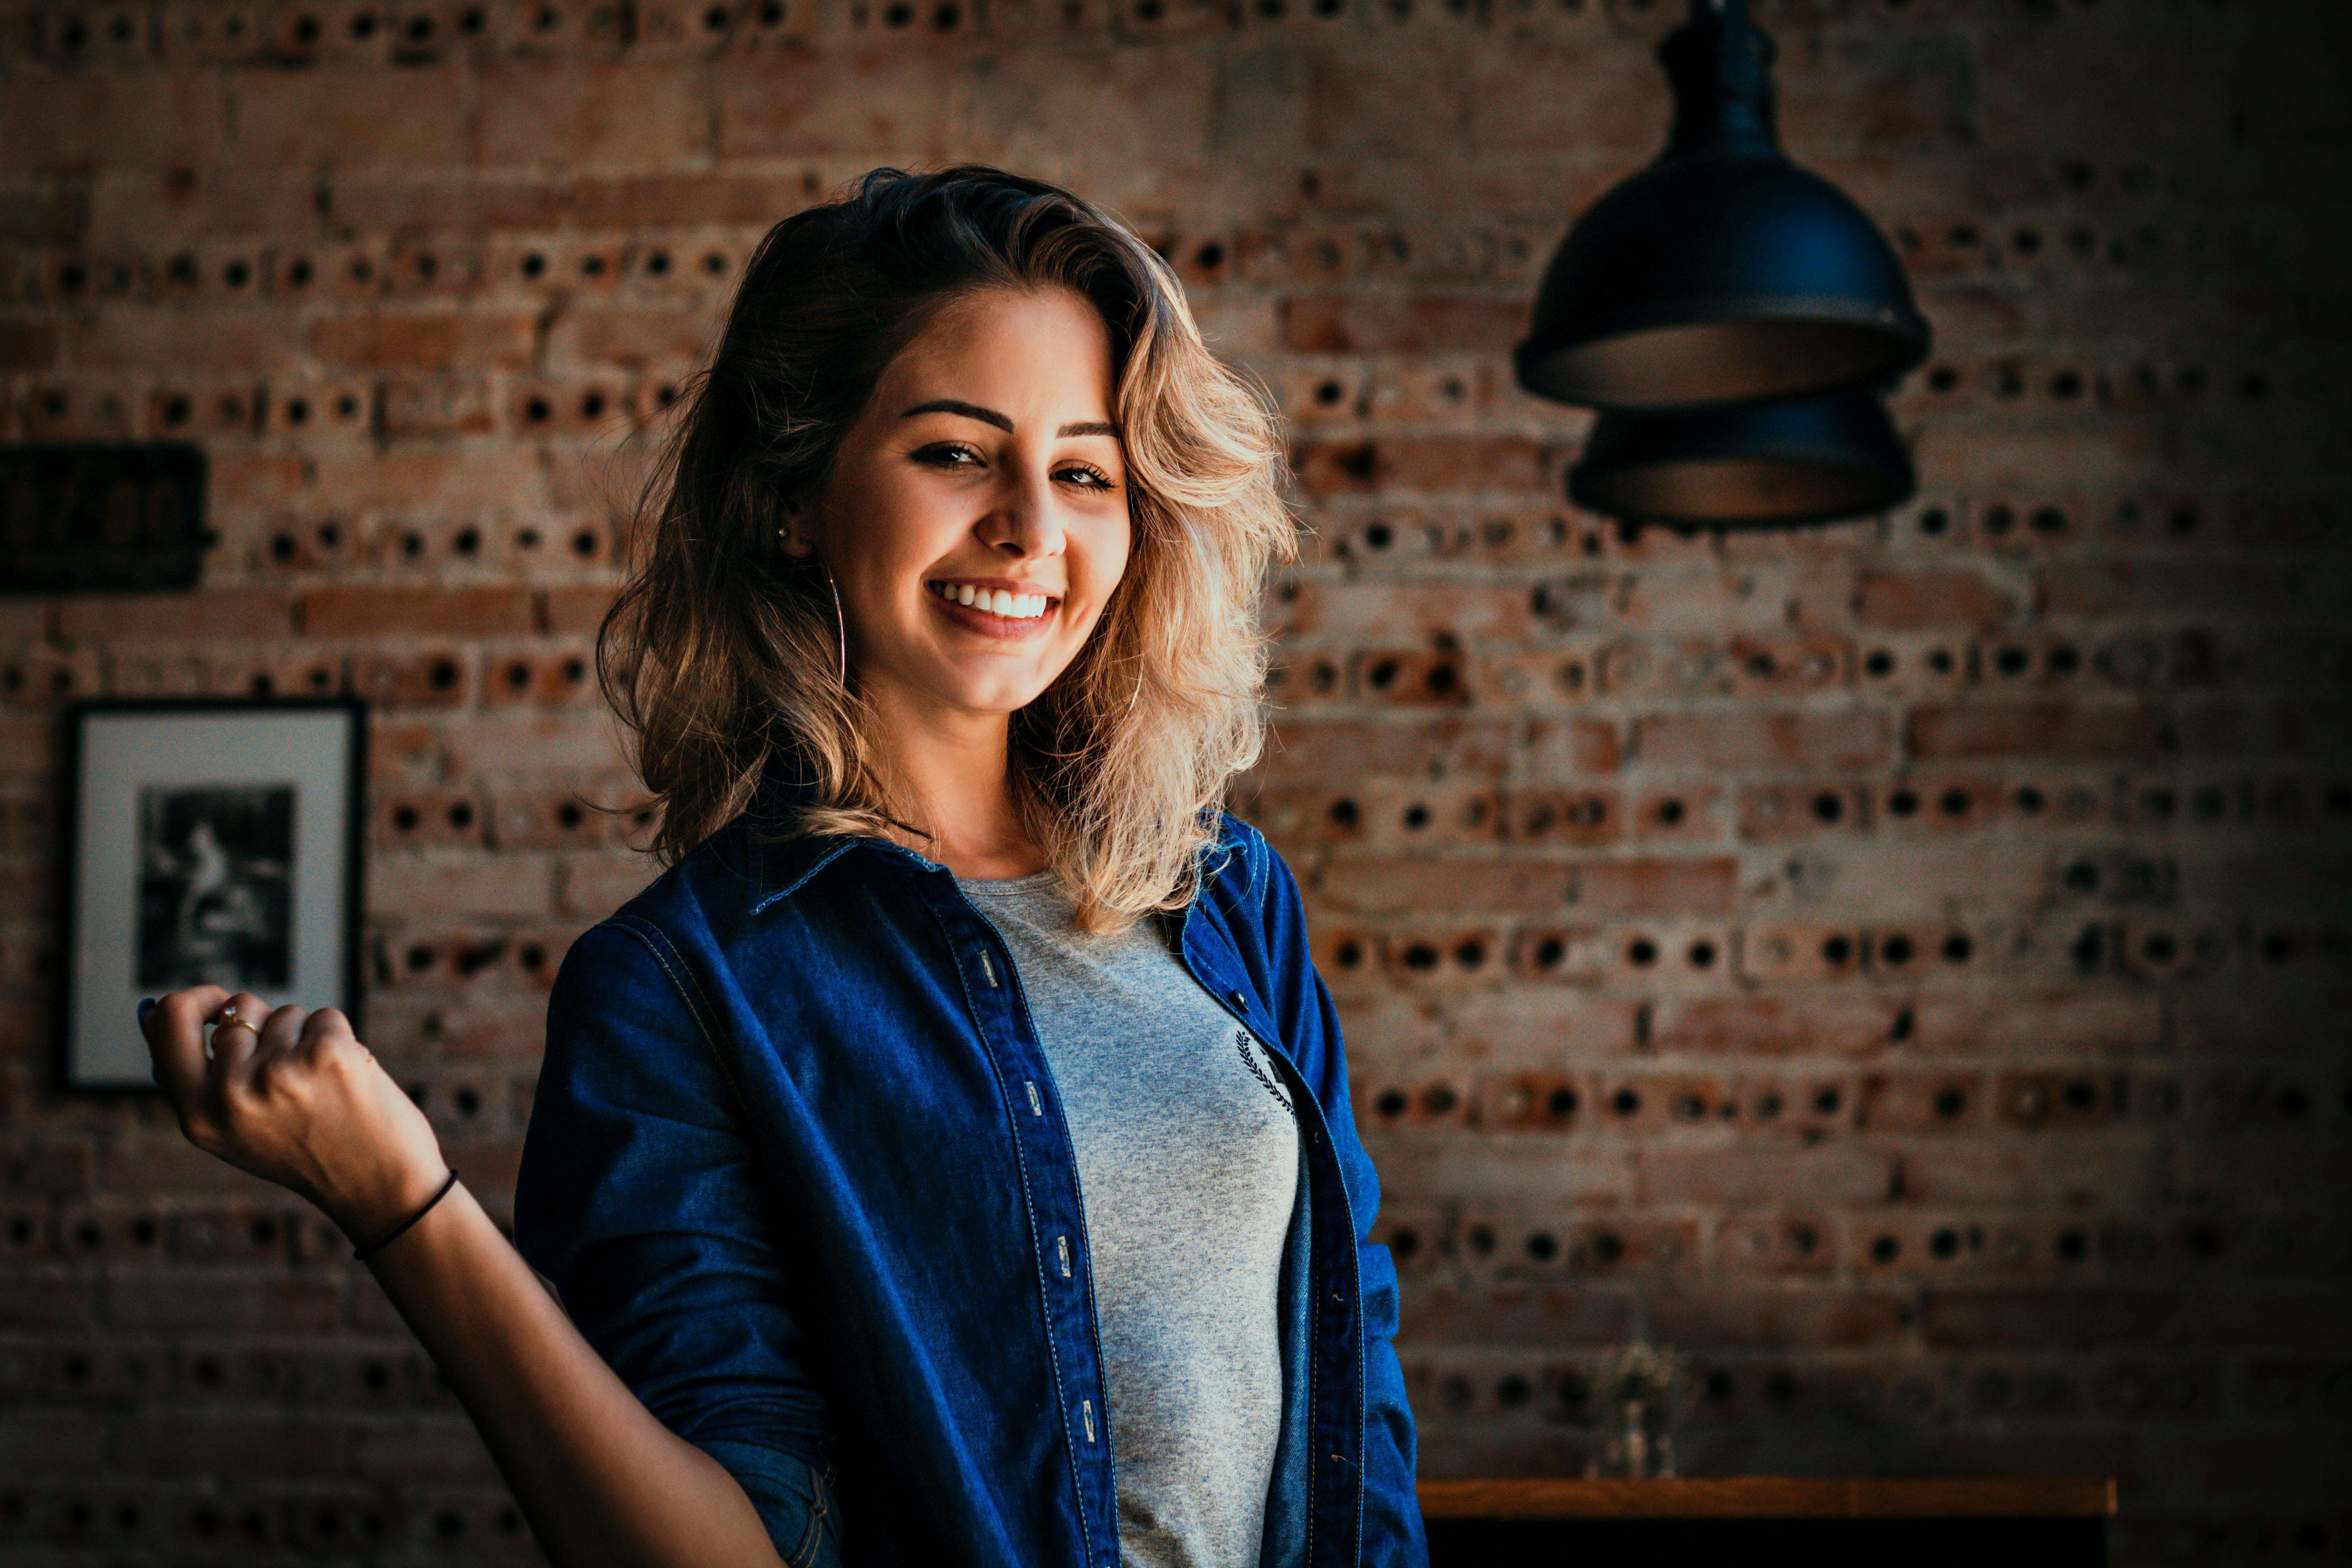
[996, 602]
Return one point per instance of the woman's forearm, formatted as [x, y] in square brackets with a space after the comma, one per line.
[292, 1097]
[603, 1483]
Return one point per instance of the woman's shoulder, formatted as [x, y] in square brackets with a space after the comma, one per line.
[690, 906]
[1240, 869]
[742, 869]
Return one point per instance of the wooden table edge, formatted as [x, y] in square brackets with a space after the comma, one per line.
[1775, 1496]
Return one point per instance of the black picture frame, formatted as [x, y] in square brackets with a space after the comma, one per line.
[248, 819]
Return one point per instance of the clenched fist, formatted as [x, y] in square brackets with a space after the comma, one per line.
[292, 1097]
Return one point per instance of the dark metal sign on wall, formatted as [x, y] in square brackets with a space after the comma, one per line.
[75, 517]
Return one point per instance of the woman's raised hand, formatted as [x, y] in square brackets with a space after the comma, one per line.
[292, 1097]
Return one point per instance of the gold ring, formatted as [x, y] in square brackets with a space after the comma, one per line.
[228, 1015]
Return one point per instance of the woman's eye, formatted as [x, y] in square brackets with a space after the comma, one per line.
[1092, 479]
[947, 455]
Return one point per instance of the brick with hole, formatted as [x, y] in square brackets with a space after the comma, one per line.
[596, 813]
[425, 817]
[1534, 1100]
[435, 678]
[1577, 816]
[41, 678]
[1922, 1103]
[1411, 679]
[543, 675]
[1441, 956]
[1423, 465]
[1785, 1245]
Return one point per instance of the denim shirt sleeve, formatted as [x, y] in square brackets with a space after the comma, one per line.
[1392, 1535]
[639, 1198]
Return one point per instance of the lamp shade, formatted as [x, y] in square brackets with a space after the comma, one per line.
[1723, 272]
[1758, 465]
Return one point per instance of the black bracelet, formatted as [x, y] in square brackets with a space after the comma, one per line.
[361, 1253]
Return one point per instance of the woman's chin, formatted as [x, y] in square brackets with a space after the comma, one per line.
[985, 693]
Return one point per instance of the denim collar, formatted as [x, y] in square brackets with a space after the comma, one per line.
[777, 866]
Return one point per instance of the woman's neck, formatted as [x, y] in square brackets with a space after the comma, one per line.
[955, 771]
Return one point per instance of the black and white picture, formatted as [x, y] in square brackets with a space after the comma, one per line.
[216, 893]
[213, 842]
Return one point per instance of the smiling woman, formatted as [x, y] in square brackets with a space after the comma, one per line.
[949, 1158]
[959, 380]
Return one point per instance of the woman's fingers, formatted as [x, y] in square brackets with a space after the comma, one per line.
[283, 1028]
[175, 1040]
[328, 1042]
[292, 1097]
[327, 1024]
[236, 1037]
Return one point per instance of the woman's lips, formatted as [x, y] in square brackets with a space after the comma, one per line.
[990, 625]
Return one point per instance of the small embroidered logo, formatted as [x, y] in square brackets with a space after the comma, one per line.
[1249, 1050]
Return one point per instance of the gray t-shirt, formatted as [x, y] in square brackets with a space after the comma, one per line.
[1188, 1158]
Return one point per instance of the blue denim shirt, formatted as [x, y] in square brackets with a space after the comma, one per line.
[797, 1168]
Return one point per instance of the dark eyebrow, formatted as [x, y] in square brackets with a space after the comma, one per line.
[990, 416]
[968, 410]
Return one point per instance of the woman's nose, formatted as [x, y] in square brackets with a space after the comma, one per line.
[1024, 521]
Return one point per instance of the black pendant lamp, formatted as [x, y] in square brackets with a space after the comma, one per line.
[1719, 279]
[1778, 463]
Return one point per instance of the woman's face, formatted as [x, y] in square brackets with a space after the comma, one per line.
[976, 520]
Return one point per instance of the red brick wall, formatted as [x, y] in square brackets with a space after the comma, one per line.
[1902, 964]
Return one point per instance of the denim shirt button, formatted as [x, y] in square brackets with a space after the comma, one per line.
[1238, 1000]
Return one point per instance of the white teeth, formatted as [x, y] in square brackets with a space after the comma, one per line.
[994, 601]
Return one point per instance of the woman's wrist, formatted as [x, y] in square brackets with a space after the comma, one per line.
[367, 1249]
[367, 1212]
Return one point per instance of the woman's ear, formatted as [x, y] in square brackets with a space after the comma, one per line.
[793, 533]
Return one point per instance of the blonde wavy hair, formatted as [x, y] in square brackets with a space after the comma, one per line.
[719, 656]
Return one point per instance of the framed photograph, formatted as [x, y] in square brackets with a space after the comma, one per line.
[216, 842]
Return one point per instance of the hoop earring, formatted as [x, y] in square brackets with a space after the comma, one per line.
[840, 630]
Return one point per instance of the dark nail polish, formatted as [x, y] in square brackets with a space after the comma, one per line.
[146, 1006]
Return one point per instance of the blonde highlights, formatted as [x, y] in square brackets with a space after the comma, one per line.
[719, 655]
